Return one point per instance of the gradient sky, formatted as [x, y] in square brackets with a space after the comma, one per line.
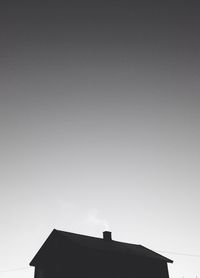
[100, 126]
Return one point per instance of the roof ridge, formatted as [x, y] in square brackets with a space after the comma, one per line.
[76, 234]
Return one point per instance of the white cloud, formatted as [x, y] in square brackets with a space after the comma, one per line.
[95, 219]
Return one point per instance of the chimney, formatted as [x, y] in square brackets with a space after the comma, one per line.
[107, 235]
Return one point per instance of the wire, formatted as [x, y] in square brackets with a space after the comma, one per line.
[14, 269]
[170, 252]
[180, 254]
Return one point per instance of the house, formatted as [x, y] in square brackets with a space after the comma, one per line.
[66, 254]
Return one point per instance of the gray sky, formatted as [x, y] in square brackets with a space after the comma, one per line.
[99, 117]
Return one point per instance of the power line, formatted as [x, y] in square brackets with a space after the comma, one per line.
[14, 269]
[180, 254]
[160, 251]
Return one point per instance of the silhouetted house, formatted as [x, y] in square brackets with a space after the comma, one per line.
[72, 255]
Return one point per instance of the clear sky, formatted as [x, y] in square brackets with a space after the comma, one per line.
[100, 126]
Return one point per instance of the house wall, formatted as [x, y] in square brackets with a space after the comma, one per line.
[122, 269]
[39, 273]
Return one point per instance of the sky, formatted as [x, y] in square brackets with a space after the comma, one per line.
[100, 126]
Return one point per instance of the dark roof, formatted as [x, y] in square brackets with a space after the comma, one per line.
[99, 244]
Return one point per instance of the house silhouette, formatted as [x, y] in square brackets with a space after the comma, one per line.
[66, 254]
